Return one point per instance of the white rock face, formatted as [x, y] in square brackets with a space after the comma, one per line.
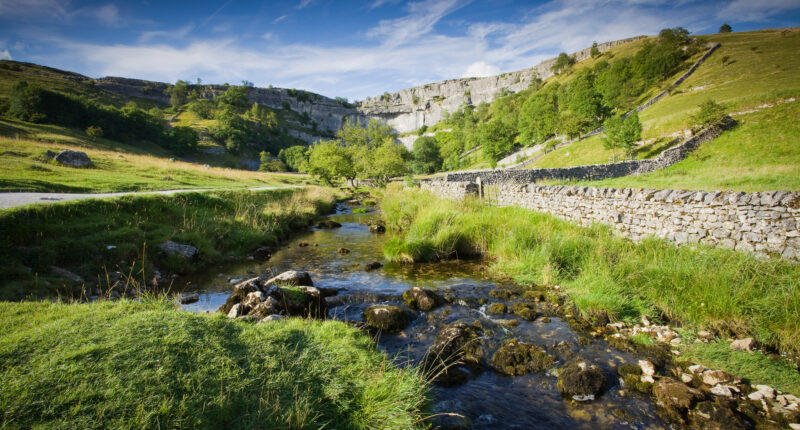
[411, 108]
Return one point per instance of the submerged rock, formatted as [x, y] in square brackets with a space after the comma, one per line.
[386, 318]
[424, 300]
[516, 358]
[524, 310]
[375, 265]
[676, 398]
[717, 415]
[187, 298]
[328, 224]
[455, 355]
[579, 377]
[343, 251]
[497, 309]
[377, 228]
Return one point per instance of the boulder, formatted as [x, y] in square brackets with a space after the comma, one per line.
[240, 292]
[386, 318]
[676, 398]
[262, 253]
[187, 298]
[377, 228]
[328, 224]
[715, 377]
[497, 309]
[455, 355]
[516, 358]
[580, 378]
[77, 159]
[291, 277]
[719, 414]
[303, 301]
[375, 265]
[746, 344]
[236, 311]
[188, 252]
[524, 310]
[424, 300]
[253, 299]
[270, 306]
[343, 251]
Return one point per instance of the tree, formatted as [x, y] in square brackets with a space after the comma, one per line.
[182, 140]
[496, 139]
[571, 125]
[270, 163]
[177, 93]
[538, 117]
[676, 36]
[425, 155]
[622, 133]
[563, 62]
[710, 113]
[25, 102]
[595, 51]
[725, 28]
[295, 157]
[234, 96]
[450, 148]
[203, 108]
[330, 160]
[388, 160]
[94, 132]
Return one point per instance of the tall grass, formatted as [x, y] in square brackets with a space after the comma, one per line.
[147, 365]
[697, 286]
[91, 237]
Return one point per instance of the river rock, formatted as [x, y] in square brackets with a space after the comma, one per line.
[718, 414]
[291, 277]
[328, 224]
[262, 253]
[714, 377]
[270, 306]
[377, 228]
[236, 311]
[272, 318]
[375, 265]
[516, 358]
[455, 355]
[746, 344]
[303, 301]
[508, 323]
[579, 377]
[343, 251]
[188, 252]
[77, 159]
[386, 318]
[676, 398]
[253, 299]
[497, 309]
[187, 298]
[424, 300]
[240, 292]
[525, 311]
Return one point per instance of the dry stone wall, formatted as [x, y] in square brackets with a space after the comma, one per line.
[765, 223]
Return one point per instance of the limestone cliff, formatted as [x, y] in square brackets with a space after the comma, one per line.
[411, 108]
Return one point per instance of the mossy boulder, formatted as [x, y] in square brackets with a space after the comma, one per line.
[580, 378]
[516, 358]
[386, 318]
[328, 224]
[240, 292]
[525, 311]
[676, 398]
[631, 376]
[303, 301]
[503, 293]
[291, 277]
[424, 300]
[718, 414]
[456, 354]
[497, 309]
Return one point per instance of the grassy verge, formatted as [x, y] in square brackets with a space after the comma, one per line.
[90, 237]
[118, 167]
[148, 365]
[701, 286]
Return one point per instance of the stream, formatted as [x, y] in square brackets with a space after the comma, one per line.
[490, 400]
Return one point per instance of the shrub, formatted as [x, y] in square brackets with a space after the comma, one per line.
[94, 132]
[710, 113]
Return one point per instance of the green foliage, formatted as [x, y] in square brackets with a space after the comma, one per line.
[622, 133]
[329, 160]
[725, 28]
[268, 163]
[496, 138]
[233, 96]
[698, 286]
[181, 140]
[425, 155]
[177, 93]
[94, 132]
[148, 365]
[595, 51]
[539, 116]
[25, 102]
[676, 36]
[563, 62]
[203, 108]
[295, 157]
[710, 112]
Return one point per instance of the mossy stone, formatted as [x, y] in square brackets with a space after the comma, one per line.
[516, 358]
[386, 318]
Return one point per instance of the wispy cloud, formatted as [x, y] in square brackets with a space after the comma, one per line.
[5, 55]
[420, 21]
[303, 4]
[33, 9]
[178, 33]
[279, 19]
[748, 10]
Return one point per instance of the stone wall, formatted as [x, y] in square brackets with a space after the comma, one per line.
[765, 223]
[667, 158]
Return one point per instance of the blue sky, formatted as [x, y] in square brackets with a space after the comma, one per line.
[341, 48]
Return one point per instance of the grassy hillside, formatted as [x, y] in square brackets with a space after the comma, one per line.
[148, 365]
[96, 237]
[118, 166]
[747, 71]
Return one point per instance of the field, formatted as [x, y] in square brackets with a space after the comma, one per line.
[147, 365]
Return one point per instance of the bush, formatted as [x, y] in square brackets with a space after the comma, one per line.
[94, 132]
[710, 113]
[725, 28]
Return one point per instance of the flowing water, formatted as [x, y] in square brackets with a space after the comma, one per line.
[491, 400]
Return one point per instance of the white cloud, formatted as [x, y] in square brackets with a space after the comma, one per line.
[303, 4]
[32, 9]
[178, 33]
[748, 10]
[419, 22]
[279, 19]
[379, 3]
[268, 35]
[5, 55]
[480, 69]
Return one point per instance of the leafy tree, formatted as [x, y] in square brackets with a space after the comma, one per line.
[538, 117]
[177, 93]
[725, 28]
[496, 139]
[330, 160]
[563, 62]
[710, 113]
[94, 132]
[622, 133]
[387, 161]
[571, 125]
[270, 164]
[425, 155]
[450, 148]
[295, 157]
[677, 36]
[595, 51]
[201, 107]
[182, 140]
[582, 99]
[24, 102]
[234, 96]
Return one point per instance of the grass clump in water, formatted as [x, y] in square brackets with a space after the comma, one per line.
[697, 286]
[148, 365]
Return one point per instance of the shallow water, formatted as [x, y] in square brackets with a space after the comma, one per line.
[491, 400]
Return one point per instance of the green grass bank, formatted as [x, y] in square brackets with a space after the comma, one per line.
[99, 236]
[147, 365]
[696, 287]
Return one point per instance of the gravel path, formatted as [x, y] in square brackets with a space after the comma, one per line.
[10, 200]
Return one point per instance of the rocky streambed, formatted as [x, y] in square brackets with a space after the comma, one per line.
[500, 357]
